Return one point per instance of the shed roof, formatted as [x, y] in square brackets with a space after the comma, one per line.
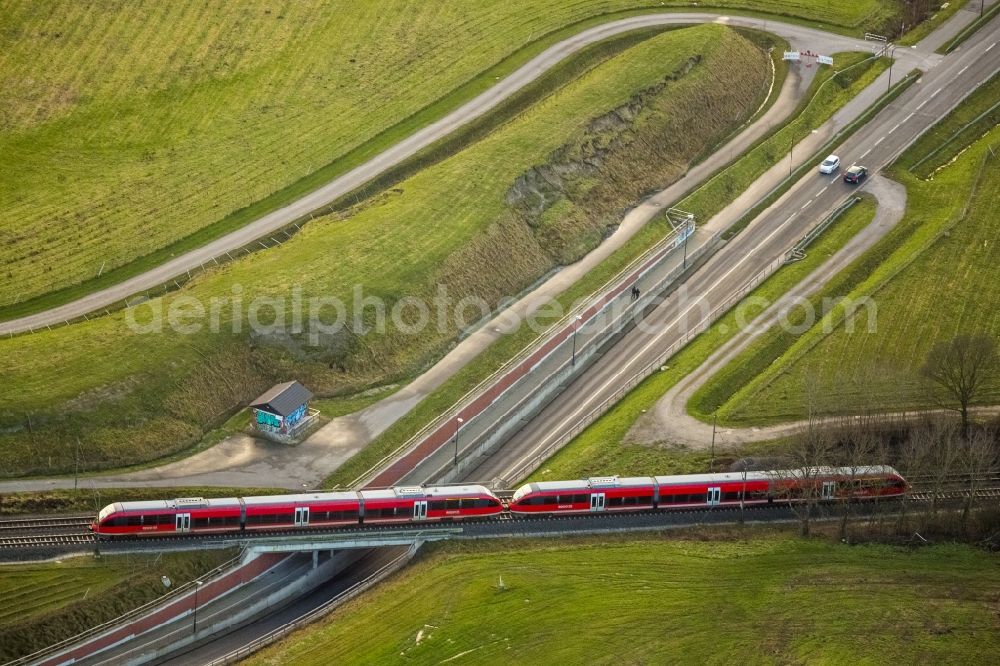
[283, 399]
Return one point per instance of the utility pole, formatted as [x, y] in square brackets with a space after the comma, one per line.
[458, 424]
[891, 51]
[576, 327]
[76, 465]
[198, 584]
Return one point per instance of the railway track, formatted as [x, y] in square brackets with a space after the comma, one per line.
[13, 536]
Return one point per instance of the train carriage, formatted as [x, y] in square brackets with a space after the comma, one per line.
[301, 510]
[436, 503]
[608, 493]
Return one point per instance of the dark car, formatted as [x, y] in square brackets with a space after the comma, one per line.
[855, 174]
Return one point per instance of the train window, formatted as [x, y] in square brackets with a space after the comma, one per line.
[199, 522]
[451, 504]
[436, 505]
[469, 503]
[646, 499]
[165, 519]
[731, 497]
[549, 500]
[613, 501]
[581, 498]
[134, 521]
[231, 520]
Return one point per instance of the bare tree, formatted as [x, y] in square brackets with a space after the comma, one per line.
[960, 370]
[977, 457]
[859, 439]
[800, 484]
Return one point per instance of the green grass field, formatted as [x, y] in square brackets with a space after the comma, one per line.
[144, 126]
[132, 397]
[759, 598]
[45, 603]
[603, 448]
[931, 278]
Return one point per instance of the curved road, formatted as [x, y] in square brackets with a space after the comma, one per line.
[815, 40]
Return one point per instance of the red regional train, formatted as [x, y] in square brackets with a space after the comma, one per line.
[461, 502]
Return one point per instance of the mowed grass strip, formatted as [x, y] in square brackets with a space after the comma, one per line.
[604, 447]
[762, 598]
[133, 127]
[48, 602]
[931, 278]
[133, 396]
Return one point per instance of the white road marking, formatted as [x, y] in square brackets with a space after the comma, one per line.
[864, 154]
[611, 380]
[935, 92]
[920, 106]
[827, 187]
[806, 204]
[906, 118]
[895, 127]
[990, 46]
[962, 70]
[880, 140]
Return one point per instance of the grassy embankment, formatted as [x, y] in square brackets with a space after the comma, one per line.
[126, 394]
[759, 597]
[207, 117]
[48, 602]
[930, 278]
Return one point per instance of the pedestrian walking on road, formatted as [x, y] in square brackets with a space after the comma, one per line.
[636, 293]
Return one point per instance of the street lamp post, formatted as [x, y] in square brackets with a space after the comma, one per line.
[892, 52]
[458, 424]
[576, 327]
[194, 628]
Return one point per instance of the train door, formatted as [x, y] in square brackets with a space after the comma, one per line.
[829, 490]
[302, 516]
[420, 510]
[597, 502]
[182, 522]
[713, 497]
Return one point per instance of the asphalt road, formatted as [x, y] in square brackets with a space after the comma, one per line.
[816, 40]
[768, 237]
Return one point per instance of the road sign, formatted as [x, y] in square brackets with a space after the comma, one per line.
[824, 60]
[791, 55]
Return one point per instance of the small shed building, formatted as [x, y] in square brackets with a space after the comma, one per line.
[283, 410]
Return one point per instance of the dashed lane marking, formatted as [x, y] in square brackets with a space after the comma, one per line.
[933, 94]
[990, 46]
[864, 154]
[962, 70]
[880, 140]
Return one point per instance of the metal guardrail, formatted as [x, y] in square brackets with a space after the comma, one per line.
[951, 138]
[798, 251]
[176, 592]
[317, 613]
[449, 414]
[642, 374]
